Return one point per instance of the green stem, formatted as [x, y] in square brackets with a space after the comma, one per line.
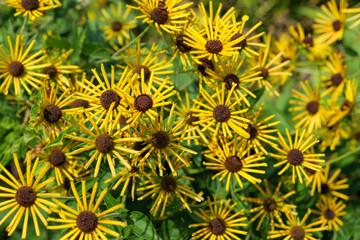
[131, 42]
[23, 25]
[232, 190]
[343, 156]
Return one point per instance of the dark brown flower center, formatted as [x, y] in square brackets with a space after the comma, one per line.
[123, 121]
[221, 113]
[168, 184]
[160, 139]
[192, 118]
[336, 79]
[143, 103]
[269, 204]
[16, 69]
[297, 233]
[264, 73]
[325, 188]
[310, 171]
[329, 214]
[30, 4]
[346, 105]
[217, 226]
[230, 79]
[86, 221]
[147, 72]
[336, 25]
[80, 103]
[240, 44]
[214, 46]
[108, 97]
[57, 158]
[51, 71]
[309, 41]
[357, 136]
[25, 196]
[251, 129]
[116, 26]
[295, 157]
[182, 46]
[284, 59]
[312, 107]
[66, 185]
[104, 143]
[52, 113]
[206, 63]
[160, 15]
[233, 164]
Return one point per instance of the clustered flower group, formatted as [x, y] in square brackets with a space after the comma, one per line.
[134, 125]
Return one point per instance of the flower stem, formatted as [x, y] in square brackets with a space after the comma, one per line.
[343, 156]
[23, 25]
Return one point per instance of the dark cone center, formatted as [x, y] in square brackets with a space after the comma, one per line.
[346, 105]
[86, 221]
[336, 79]
[123, 120]
[147, 72]
[104, 143]
[217, 226]
[312, 107]
[214, 46]
[168, 184]
[182, 46]
[52, 113]
[51, 71]
[57, 158]
[143, 103]
[329, 214]
[309, 41]
[242, 43]
[297, 233]
[116, 26]
[160, 139]
[264, 73]
[192, 118]
[251, 129]
[108, 97]
[80, 103]
[221, 113]
[16, 69]
[295, 157]
[230, 79]
[233, 164]
[25, 196]
[30, 4]
[336, 25]
[159, 15]
[324, 188]
[66, 184]
[269, 204]
[206, 63]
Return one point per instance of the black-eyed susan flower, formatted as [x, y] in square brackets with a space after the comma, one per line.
[330, 23]
[287, 46]
[296, 229]
[271, 204]
[168, 15]
[53, 109]
[233, 161]
[332, 136]
[219, 222]
[86, 221]
[307, 108]
[31, 8]
[296, 154]
[227, 72]
[20, 68]
[214, 38]
[25, 196]
[334, 83]
[260, 130]
[330, 186]
[220, 115]
[355, 17]
[330, 211]
[116, 23]
[166, 188]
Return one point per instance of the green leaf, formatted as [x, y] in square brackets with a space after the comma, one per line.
[142, 226]
[60, 138]
[258, 93]
[36, 107]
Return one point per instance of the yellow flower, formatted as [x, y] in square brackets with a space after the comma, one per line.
[219, 223]
[25, 196]
[116, 23]
[86, 221]
[329, 186]
[19, 68]
[232, 160]
[167, 15]
[271, 204]
[356, 17]
[330, 23]
[330, 209]
[331, 136]
[296, 155]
